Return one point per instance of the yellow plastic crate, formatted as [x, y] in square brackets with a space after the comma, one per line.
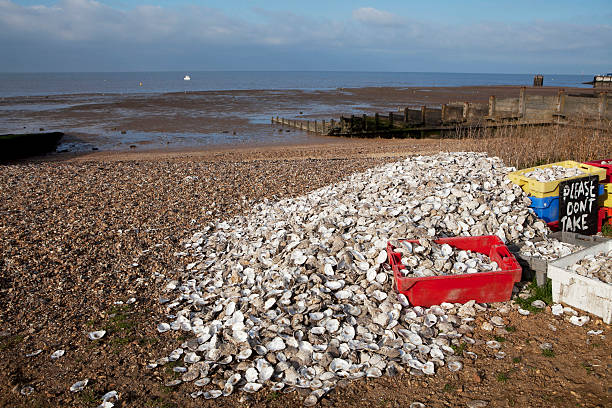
[551, 188]
[605, 200]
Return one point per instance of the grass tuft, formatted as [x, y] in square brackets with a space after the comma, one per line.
[502, 377]
[459, 349]
[548, 353]
[543, 293]
[11, 342]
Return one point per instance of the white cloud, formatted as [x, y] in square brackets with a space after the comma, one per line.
[368, 35]
[370, 15]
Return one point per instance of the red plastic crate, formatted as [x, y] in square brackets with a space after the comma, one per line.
[483, 287]
[604, 212]
[608, 167]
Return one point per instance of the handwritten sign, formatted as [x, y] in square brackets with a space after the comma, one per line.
[578, 205]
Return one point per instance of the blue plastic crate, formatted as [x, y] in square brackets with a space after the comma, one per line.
[547, 208]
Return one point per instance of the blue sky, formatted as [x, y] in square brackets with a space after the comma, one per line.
[444, 36]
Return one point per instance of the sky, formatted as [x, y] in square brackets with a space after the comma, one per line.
[496, 36]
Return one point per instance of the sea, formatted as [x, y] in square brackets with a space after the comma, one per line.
[31, 84]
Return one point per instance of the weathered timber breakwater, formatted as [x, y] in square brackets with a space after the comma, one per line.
[592, 111]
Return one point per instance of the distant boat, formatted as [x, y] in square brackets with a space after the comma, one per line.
[187, 78]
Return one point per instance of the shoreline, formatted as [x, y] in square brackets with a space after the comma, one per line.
[213, 119]
[338, 148]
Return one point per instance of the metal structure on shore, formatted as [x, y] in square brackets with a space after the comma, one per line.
[593, 111]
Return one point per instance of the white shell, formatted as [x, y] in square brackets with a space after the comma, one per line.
[455, 365]
[79, 385]
[276, 344]
[252, 387]
[163, 327]
[96, 335]
[428, 368]
[251, 375]
[339, 364]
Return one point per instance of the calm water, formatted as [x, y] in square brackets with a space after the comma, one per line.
[160, 82]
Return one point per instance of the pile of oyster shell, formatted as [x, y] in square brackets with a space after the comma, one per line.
[296, 294]
[427, 258]
[548, 249]
[596, 266]
[553, 173]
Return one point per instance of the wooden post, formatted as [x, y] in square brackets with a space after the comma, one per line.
[376, 121]
[423, 114]
[491, 106]
[391, 119]
[603, 102]
[466, 110]
[364, 117]
[323, 130]
[406, 114]
[561, 102]
[538, 80]
[332, 123]
[444, 113]
[521, 108]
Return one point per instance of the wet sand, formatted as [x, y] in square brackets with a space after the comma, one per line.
[218, 118]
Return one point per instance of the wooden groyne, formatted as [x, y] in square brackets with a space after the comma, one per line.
[419, 121]
[314, 126]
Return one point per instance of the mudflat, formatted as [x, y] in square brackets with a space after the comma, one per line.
[218, 118]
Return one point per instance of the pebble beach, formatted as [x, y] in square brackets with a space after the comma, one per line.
[88, 242]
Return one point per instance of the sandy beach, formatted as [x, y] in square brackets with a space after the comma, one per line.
[79, 233]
